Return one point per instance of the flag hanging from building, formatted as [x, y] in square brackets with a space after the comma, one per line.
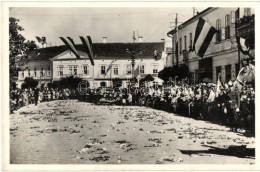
[87, 42]
[218, 86]
[134, 36]
[70, 45]
[109, 67]
[156, 55]
[203, 36]
[246, 74]
[242, 45]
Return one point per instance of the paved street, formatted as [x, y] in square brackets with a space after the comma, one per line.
[72, 132]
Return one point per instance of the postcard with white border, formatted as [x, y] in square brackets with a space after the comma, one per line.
[129, 86]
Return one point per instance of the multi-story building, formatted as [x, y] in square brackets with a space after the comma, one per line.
[56, 63]
[222, 56]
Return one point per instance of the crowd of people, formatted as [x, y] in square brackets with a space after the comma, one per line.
[222, 104]
[24, 97]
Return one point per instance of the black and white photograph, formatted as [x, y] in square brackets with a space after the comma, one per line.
[128, 85]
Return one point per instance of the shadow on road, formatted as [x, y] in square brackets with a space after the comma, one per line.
[237, 151]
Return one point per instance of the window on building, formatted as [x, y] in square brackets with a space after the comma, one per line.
[227, 26]
[155, 83]
[60, 71]
[218, 72]
[35, 72]
[49, 71]
[128, 70]
[247, 11]
[70, 70]
[155, 69]
[75, 70]
[115, 70]
[180, 43]
[22, 74]
[228, 73]
[103, 70]
[190, 47]
[218, 27]
[41, 73]
[185, 43]
[85, 70]
[142, 69]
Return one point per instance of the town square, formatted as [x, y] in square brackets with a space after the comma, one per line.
[132, 85]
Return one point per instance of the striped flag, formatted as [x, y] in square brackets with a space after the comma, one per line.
[87, 42]
[109, 67]
[134, 36]
[203, 36]
[218, 86]
[70, 45]
[39, 39]
[242, 46]
[155, 55]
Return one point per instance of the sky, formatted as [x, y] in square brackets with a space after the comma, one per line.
[117, 24]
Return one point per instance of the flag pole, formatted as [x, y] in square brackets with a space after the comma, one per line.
[177, 37]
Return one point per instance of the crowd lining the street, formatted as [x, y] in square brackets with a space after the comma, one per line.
[202, 101]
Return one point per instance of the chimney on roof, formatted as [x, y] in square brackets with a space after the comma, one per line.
[140, 39]
[104, 40]
[194, 11]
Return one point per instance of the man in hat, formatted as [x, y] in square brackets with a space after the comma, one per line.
[221, 102]
[233, 107]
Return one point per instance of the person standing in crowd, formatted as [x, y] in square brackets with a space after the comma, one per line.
[36, 96]
[210, 101]
[233, 106]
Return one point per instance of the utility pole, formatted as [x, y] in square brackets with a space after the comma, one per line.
[133, 56]
[194, 11]
[237, 13]
[176, 40]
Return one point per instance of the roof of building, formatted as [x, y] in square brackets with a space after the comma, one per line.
[101, 50]
[200, 14]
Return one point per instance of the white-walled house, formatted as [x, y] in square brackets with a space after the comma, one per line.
[38, 65]
[62, 63]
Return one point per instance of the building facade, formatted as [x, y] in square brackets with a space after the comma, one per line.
[222, 56]
[111, 62]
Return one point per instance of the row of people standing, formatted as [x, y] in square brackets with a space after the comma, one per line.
[24, 97]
